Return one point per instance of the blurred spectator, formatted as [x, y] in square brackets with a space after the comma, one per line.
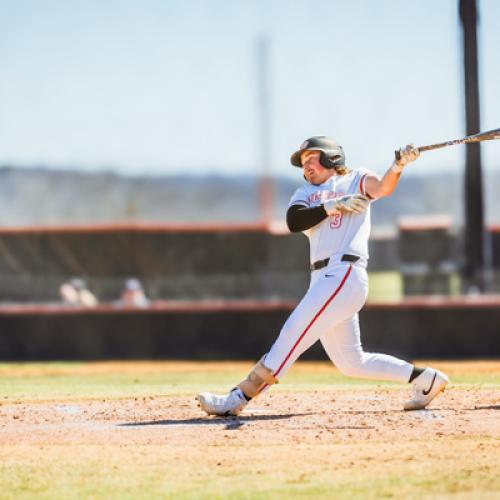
[133, 294]
[75, 293]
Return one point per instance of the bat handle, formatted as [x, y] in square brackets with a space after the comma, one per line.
[397, 155]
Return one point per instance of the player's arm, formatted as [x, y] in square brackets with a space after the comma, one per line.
[376, 187]
[300, 218]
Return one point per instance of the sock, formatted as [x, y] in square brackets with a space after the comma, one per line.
[242, 393]
[415, 373]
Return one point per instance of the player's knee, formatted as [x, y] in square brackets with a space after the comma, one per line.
[351, 364]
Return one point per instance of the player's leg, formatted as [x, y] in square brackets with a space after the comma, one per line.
[328, 301]
[233, 403]
[343, 345]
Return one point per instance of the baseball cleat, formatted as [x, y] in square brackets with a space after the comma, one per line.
[230, 404]
[425, 388]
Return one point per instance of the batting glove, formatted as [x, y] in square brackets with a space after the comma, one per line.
[350, 203]
[406, 155]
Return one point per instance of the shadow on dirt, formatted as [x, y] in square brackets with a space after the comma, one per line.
[229, 422]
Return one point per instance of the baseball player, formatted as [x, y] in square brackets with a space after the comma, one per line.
[333, 211]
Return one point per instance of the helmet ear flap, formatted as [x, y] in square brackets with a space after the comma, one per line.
[331, 161]
[324, 160]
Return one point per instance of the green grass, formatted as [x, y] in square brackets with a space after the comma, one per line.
[152, 472]
[385, 286]
[67, 381]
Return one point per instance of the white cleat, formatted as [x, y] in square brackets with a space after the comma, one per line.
[230, 404]
[425, 388]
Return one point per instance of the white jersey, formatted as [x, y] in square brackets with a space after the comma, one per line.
[342, 233]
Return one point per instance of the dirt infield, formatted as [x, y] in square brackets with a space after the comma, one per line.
[281, 418]
[333, 439]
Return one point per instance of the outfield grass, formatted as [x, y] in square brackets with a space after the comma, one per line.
[53, 381]
[385, 286]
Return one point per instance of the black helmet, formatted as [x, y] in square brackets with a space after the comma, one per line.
[332, 155]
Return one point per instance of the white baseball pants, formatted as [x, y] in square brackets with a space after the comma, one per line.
[329, 313]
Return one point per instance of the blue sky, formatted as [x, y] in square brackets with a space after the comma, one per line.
[170, 86]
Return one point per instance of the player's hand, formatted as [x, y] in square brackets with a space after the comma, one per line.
[350, 203]
[406, 155]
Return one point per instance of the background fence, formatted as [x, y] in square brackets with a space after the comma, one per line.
[221, 292]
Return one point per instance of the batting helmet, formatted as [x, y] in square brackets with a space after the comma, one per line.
[331, 154]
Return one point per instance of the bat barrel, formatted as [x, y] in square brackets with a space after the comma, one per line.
[483, 136]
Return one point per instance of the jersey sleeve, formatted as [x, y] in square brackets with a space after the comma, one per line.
[299, 198]
[361, 176]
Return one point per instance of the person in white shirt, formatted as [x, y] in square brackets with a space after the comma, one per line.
[333, 210]
[75, 293]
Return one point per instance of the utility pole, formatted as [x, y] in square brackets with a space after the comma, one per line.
[473, 272]
[265, 182]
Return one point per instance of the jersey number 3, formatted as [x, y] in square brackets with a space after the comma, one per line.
[335, 221]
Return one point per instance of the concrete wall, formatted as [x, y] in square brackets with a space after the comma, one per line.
[244, 330]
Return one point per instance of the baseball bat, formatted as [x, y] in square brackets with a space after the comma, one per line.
[482, 136]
